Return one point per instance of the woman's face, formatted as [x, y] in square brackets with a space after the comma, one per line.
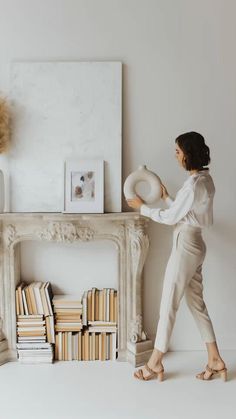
[179, 155]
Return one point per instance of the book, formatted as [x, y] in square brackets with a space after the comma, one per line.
[102, 328]
[20, 298]
[67, 301]
[49, 297]
[80, 346]
[31, 323]
[32, 298]
[33, 345]
[28, 300]
[96, 316]
[39, 305]
[115, 307]
[50, 329]
[84, 305]
[25, 306]
[101, 323]
[93, 303]
[111, 313]
[17, 303]
[30, 317]
[44, 300]
[31, 329]
[89, 305]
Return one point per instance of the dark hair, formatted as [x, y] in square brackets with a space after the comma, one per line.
[196, 152]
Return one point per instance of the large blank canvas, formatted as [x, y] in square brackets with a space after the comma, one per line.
[63, 110]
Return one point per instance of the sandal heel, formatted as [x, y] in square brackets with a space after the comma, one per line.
[223, 375]
[160, 376]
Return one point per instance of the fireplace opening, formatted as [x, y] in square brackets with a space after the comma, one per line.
[80, 321]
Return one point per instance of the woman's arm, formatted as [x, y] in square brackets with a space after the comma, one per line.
[177, 210]
[165, 196]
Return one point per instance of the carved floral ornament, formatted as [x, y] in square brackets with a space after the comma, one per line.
[55, 231]
[139, 242]
[69, 232]
[136, 334]
[10, 234]
[66, 232]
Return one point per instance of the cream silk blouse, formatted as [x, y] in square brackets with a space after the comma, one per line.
[193, 203]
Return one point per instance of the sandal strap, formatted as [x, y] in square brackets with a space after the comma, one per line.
[215, 371]
[141, 374]
[152, 371]
[209, 369]
[149, 369]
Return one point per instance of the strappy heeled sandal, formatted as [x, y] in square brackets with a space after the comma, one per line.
[222, 372]
[152, 374]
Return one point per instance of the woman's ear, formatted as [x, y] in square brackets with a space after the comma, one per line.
[184, 162]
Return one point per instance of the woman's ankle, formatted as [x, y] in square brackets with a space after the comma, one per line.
[156, 358]
[215, 361]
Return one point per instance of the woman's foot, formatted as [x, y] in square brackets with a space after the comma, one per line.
[143, 372]
[216, 365]
[154, 363]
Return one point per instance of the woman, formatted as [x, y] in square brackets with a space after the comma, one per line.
[191, 210]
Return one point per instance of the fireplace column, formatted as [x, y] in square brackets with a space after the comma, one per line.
[139, 347]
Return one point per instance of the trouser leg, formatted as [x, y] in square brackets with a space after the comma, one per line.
[197, 306]
[185, 258]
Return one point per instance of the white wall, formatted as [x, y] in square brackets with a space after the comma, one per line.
[179, 74]
[71, 268]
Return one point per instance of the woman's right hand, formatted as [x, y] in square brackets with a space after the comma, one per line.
[164, 194]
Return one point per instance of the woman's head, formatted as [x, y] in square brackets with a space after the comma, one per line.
[191, 151]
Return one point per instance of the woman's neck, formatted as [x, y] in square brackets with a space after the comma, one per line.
[192, 172]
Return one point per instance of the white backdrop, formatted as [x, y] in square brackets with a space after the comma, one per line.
[178, 74]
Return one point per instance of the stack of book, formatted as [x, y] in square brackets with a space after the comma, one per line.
[68, 313]
[99, 345]
[68, 346]
[35, 322]
[31, 339]
[35, 299]
[100, 315]
[85, 346]
[100, 305]
[68, 319]
[81, 330]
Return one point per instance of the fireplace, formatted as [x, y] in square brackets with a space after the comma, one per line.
[126, 230]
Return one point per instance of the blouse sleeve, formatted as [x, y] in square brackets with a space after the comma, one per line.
[172, 215]
[169, 201]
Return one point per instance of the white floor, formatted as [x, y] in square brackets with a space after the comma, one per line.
[107, 390]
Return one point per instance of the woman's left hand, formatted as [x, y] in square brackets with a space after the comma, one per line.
[135, 203]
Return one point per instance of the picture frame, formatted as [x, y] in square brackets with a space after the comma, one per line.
[84, 186]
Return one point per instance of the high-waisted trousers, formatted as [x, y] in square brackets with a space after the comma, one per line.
[183, 276]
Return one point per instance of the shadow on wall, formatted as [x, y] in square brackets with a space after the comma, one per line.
[226, 233]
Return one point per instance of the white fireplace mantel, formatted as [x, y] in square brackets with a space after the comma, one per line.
[126, 230]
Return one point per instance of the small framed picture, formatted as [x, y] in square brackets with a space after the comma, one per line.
[84, 186]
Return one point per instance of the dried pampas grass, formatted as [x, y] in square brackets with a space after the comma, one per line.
[4, 125]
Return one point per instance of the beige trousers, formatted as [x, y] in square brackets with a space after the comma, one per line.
[184, 276]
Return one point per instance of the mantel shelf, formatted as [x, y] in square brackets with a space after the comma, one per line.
[72, 216]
